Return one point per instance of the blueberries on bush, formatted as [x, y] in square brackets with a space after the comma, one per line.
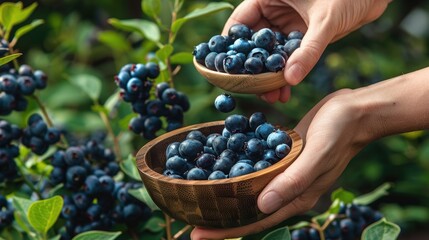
[244, 51]
[222, 155]
[136, 82]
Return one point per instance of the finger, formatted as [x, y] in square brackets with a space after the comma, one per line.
[294, 181]
[303, 59]
[271, 97]
[248, 13]
[284, 94]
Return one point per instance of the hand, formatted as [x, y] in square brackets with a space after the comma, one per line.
[322, 21]
[331, 135]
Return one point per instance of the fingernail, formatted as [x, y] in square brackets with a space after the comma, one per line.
[296, 74]
[271, 202]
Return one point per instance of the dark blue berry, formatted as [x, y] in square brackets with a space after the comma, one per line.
[224, 103]
[240, 169]
[292, 45]
[217, 44]
[201, 51]
[237, 31]
[265, 38]
[254, 65]
[275, 63]
[233, 64]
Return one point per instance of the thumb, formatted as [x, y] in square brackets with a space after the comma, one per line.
[303, 59]
[290, 184]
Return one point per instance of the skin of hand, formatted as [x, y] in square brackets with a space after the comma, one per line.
[334, 131]
[322, 21]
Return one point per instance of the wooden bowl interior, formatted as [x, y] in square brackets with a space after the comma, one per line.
[243, 83]
[211, 203]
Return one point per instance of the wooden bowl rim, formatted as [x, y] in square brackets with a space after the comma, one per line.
[228, 76]
[297, 146]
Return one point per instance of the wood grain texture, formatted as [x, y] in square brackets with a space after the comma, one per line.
[243, 83]
[220, 203]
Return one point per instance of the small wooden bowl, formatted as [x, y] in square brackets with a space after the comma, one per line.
[243, 83]
[220, 203]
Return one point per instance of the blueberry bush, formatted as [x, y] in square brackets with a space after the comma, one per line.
[83, 85]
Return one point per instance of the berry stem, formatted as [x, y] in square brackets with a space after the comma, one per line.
[116, 146]
[43, 109]
[168, 226]
[182, 231]
[27, 182]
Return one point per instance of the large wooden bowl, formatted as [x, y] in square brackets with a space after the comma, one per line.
[220, 203]
[243, 83]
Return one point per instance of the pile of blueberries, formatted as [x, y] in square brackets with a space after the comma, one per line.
[6, 212]
[8, 150]
[136, 82]
[37, 136]
[244, 51]
[352, 220]
[245, 145]
[15, 85]
[94, 200]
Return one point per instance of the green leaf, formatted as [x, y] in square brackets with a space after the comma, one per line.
[89, 84]
[8, 11]
[164, 52]
[145, 28]
[129, 167]
[342, 195]
[43, 214]
[155, 224]
[200, 12]
[143, 195]
[97, 235]
[278, 234]
[21, 206]
[115, 41]
[370, 197]
[9, 58]
[151, 7]
[381, 230]
[181, 58]
[112, 101]
[24, 13]
[26, 28]
[300, 224]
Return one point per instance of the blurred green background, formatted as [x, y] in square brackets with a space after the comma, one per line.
[73, 40]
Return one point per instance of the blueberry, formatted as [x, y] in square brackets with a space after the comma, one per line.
[170, 96]
[256, 119]
[237, 142]
[209, 150]
[132, 213]
[8, 83]
[240, 169]
[156, 107]
[282, 150]
[228, 153]
[280, 38]
[353, 212]
[93, 212]
[38, 129]
[177, 164]
[219, 144]
[233, 64]
[25, 70]
[264, 130]
[160, 88]
[152, 70]
[172, 149]
[347, 229]
[75, 176]
[217, 175]
[200, 52]
[265, 38]
[205, 161]
[197, 135]
[74, 156]
[259, 53]
[333, 231]
[261, 164]
[139, 71]
[92, 185]
[217, 44]
[242, 45]
[210, 138]
[196, 174]
[275, 63]
[276, 138]
[236, 123]
[26, 85]
[183, 101]
[254, 149]
[237, 31]
[223, 164]
[190, 149]
[134, 86]
[152, 124]
[299, 234]
[292, 45]
[224, 103]
[226, 133]
[107, 184]
[136, 124]
[57, 176]
[69, 211]
[209, 61]
[218, 61]
[254, 65]
[52, 136]
[295, 35]
[41, 79]
[270, 156]
[313, 234]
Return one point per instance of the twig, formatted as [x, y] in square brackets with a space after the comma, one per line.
[116, 147]
[168, 226]
[182, 231]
